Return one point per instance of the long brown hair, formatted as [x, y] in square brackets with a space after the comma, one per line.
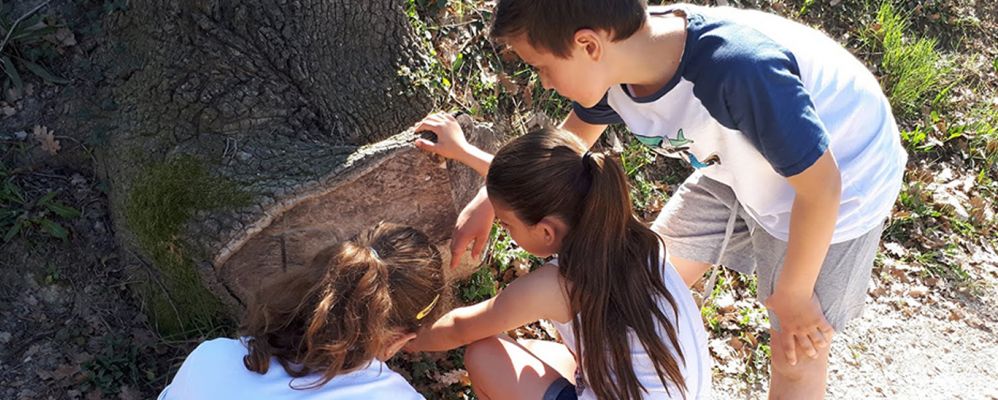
[610, 259]
[338, 313]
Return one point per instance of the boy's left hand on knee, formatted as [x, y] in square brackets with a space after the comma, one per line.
[803, 326]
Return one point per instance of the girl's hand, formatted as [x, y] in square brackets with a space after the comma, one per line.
[473, 226]
[450, 143]
[802, 324]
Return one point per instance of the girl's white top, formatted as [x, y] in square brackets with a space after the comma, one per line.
[692, 340]
[215, 371]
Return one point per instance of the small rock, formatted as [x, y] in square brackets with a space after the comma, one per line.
[20, 135]
[5, 337]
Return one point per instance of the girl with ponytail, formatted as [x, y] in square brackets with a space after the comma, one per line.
[629, 324]
[324, 331]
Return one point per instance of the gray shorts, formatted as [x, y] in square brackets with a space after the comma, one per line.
[695, 223]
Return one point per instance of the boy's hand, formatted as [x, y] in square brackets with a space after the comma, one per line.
[472, 227]
[802, 324]
[450, 139]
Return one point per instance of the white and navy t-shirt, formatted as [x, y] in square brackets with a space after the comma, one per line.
[215, 371]
[758, 98]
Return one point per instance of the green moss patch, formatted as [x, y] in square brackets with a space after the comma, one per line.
[161, 202]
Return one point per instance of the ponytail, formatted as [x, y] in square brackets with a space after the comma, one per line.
[611, 260]
[341, 311]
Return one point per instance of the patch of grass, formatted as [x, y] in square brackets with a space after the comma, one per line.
[939, 263]
[913, 70]
[20, 213]
[648, 175]
[805, 8]
[160, 203]
[119, 363]
[982, 133]
[28, 44]
[480, 286]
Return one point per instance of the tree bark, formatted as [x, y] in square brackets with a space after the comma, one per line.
[302, 105]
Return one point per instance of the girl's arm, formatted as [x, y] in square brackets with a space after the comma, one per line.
[537, 295]
[451, 143]
[589, 133]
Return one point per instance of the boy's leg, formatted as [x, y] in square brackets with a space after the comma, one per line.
[501, 368]
[805, 380]
[694, 225]
[690, 270]
[841, 288]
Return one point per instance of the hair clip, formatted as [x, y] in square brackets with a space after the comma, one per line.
[422, 314]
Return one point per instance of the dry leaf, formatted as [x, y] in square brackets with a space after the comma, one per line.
[127, 393]
[457, 376]
[522, 267]
[550, 329]
[918, 291]
[46, 138]
[65, 371]
[65, 37]
[507, 84]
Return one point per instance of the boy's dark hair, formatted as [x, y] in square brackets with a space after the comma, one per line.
[551, 24]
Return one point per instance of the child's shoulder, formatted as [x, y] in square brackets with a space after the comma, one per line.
[221, 345]
[725, 43]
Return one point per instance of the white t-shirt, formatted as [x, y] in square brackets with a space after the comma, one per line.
[215, 371]
[692, 341]
[758, 98]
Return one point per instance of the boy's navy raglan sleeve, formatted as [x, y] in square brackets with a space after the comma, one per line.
[753, 85]
[600, 114]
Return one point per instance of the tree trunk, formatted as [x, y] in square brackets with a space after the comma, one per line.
[249, 134]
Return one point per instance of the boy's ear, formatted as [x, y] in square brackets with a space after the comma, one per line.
[591, 42]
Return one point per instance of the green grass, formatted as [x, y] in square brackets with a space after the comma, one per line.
[22, 213]
[28, 48]
[114, 367]
[913, 71]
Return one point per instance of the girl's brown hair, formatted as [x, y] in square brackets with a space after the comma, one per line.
[339, 312]
[610, 259]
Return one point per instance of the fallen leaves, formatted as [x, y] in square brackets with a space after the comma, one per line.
[46, 139]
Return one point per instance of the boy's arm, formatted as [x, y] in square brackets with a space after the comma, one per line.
[525, 300]
[812, 223]
[588, 132]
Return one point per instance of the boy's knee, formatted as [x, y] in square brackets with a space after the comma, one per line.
[806, 368]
